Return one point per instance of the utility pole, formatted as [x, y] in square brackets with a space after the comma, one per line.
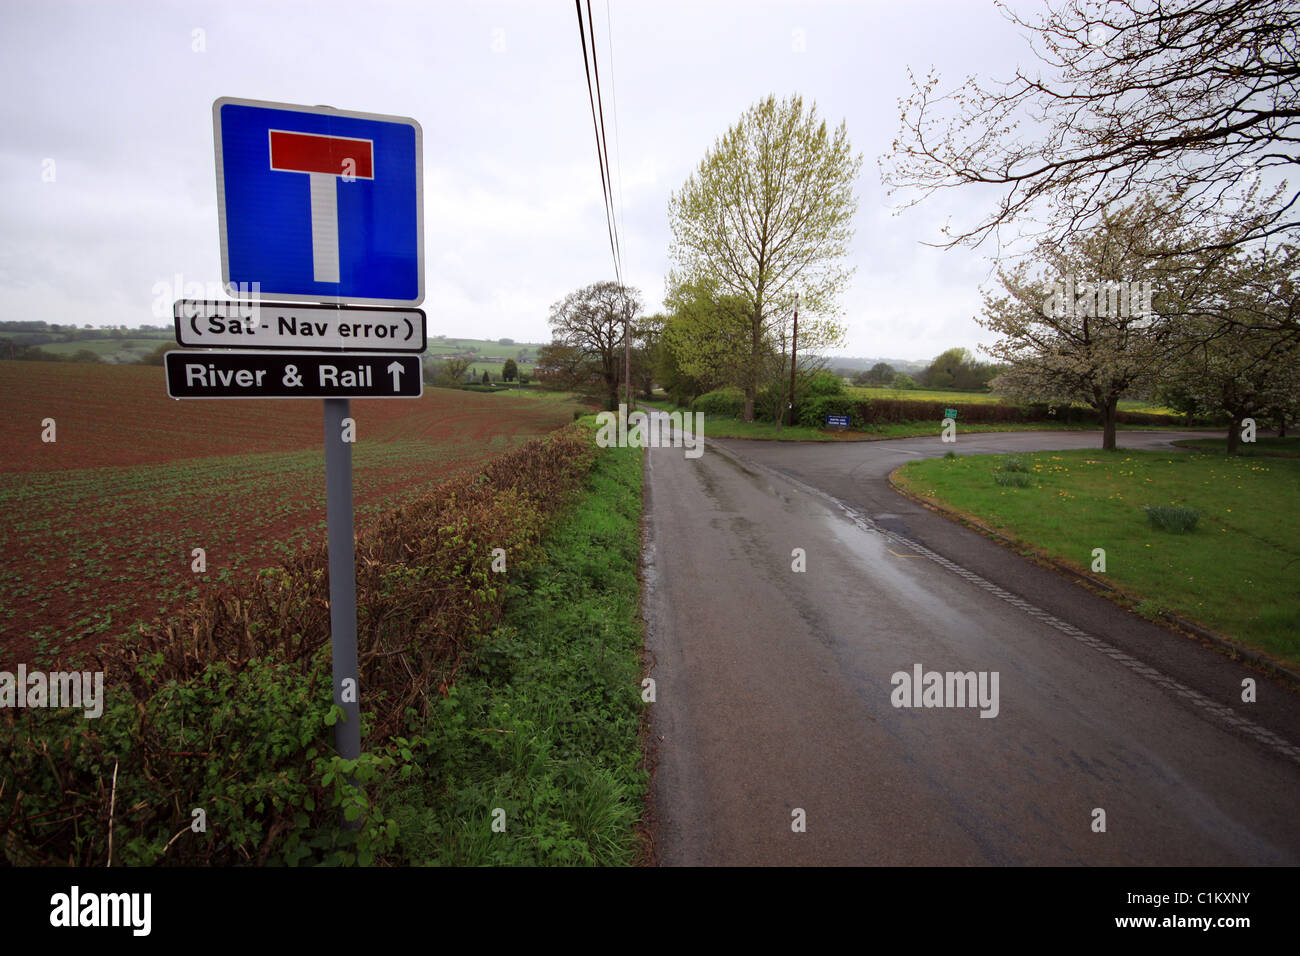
[794, 339]
[627, 352]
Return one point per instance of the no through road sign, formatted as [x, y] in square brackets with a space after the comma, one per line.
[316, 204]
[192, 374]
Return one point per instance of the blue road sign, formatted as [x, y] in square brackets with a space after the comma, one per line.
[838, 421]
[317, 204]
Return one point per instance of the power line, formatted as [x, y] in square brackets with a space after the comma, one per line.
[604, 142]
[613, 102]
[597, 126]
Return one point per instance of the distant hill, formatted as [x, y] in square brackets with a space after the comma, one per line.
[910, 366]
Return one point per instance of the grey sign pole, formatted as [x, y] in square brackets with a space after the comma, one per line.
[343, 582]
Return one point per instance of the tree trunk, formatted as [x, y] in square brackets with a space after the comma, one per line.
[1234, 433]
[1108, 423]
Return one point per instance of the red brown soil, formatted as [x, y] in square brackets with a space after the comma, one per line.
[115, 417]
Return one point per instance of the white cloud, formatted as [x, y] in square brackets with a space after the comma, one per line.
[117, 96]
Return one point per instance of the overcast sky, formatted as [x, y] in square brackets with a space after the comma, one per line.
[113, 101]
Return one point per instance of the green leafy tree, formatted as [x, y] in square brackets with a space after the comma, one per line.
[708, 336]
[509, 371]
[768, 214]
[452, 373]
[880, 373]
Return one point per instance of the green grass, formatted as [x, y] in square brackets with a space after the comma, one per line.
[544, 721]
[1263, 446]
[1237, 572]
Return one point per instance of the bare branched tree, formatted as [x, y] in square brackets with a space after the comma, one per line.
[589, 324]
[1194, 98]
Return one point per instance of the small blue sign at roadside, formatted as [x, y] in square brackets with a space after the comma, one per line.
[837, 421]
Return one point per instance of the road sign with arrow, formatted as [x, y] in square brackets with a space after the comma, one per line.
[194, 374]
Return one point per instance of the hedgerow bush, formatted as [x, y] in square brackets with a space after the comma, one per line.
[813, 412]
[723, 403]
[227, 707]
[887, 410]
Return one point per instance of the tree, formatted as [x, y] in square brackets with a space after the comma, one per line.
[156, 356]
[880, 373]
[945, 369]
[1240, 354]
[453, 372]
[708, 336]
[1089, 327]
[767, 215]
[509, 371]
[902, 380]
[487, 379]
[1194, 96]
[589, 324]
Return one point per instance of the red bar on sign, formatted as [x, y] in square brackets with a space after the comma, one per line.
[310, 153]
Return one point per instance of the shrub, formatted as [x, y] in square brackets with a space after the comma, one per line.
[813, 412]
[226, 705]
[1013, 479]
[1015, 463]
[1173, 518]
[824, 383]
[722, 403]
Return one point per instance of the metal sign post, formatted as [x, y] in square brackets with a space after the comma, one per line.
[314, 203]
[343, 581]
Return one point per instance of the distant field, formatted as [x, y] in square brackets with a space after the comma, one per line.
[127, 349]
[485, 347]
[525, 368]
[966, 398]
[96, 529]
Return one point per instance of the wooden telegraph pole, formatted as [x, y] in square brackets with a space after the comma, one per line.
[794, 339]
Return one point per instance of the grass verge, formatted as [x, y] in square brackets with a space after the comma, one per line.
[540, 733]
[1235, 573]
[1262, 447]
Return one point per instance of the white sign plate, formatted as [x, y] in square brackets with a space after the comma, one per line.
[295, 327]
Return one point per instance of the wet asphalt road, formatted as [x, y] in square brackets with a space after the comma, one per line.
[773, 687]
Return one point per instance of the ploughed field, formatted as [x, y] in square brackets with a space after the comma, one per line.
[97, 528]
